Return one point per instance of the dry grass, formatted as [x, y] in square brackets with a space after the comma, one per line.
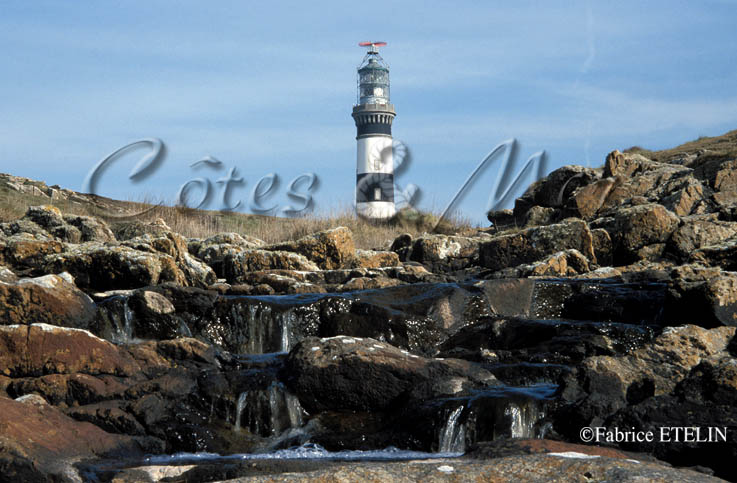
[719, 147]
[195, 223]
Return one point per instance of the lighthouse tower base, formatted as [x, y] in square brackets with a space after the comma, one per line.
[377, 210]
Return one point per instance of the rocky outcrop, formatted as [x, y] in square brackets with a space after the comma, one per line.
[603, 385]
[49, 220]
[703, 295]
[329, 249]
[40, 443]
[374, 259]
[215, 249]
[196, 273]
[351, 373]
[534, 244]
[97, 266]
[605, 298]
[24, 251]
[52, 299]
[639, 232]
[443, 253]
[236, 267]
[699, 232]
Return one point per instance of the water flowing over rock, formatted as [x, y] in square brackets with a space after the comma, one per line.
[606, 298]
[268, 412]
[452, 438]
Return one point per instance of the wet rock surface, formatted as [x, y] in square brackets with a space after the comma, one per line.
[606, 298]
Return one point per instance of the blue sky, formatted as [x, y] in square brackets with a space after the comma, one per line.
[267, 87]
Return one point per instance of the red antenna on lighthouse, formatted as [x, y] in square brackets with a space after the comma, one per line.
[372, 45]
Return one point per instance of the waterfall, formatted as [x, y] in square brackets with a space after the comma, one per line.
[240, 405]
[523, 420]
[270, 411]
[128, 322]
[119, 320]
[453, 434]
[286, 320]
[268, 329]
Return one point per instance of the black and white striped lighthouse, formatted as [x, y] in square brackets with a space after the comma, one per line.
[374, 115]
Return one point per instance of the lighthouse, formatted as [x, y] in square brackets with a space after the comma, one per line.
[373, 115]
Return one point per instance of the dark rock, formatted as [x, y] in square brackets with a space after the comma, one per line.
[366, 374]
[603, 385]
[535, 341]
[696, 233]
[702, 295]
[401, 246]
[603, 247]
[110, 416]
[633, 228]
[501, 219]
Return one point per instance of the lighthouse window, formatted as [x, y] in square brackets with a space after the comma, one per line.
[377, 194]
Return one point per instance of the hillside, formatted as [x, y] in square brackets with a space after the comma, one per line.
[605, 299]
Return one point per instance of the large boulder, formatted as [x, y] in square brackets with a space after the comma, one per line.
[705, 296]
[700, 232]
[444, 252]
[350, 373]
[90, 228]
[67, 228]
[534, 244]
[52, 299]
[98, 266]
[197, 273]
[236, 266]
[26, 251]
[633, 230]
[215, 249]
[37, 349]
[329, 249]
[40, 443]
[553, 190]
[589, 198]
[602, 385]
